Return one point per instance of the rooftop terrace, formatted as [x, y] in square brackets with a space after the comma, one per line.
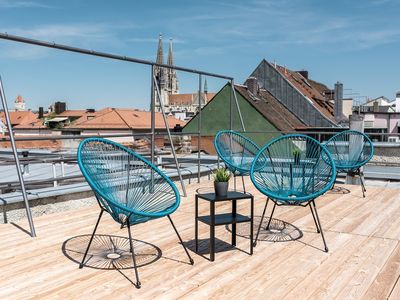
[362, 235]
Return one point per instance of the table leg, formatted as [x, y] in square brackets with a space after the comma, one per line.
[196, 228]
[234, 224]
[212, 231]
[251, 224]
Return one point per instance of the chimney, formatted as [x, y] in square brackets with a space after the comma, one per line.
[60, 107]
[375, 106]
[252, 85]
[398, 101]
[41, 113]
[303, 73]
[338, 108]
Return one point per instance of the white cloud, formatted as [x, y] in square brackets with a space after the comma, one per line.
[86, 35]
[22, 4]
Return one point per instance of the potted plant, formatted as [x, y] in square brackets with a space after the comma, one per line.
[221, 181]
[296, 155]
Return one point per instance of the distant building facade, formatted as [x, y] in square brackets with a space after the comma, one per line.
[381, 116]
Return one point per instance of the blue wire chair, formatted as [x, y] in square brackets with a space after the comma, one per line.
[350, 151]
[293, 170]
[237, 152]
[127, 186]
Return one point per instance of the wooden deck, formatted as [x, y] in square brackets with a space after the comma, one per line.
[363, 261]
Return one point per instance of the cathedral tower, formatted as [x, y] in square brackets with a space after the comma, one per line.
[166, 78]
[172, 81]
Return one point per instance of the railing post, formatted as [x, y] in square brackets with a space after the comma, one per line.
[199, 134]
[230, 110]
[17, 165]
[62, 169]
[54, 174]
[153, 116]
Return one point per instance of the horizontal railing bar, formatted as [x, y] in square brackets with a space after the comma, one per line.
[73, 158]
[80, 137]
[25, 40]
[10, 184]
[144, 134]
[38, 181]
[71, 137]
[317, 132]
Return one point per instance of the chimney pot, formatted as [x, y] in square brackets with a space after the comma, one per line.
[252, 85]
[303, 73]
[338, 106]
[41, 113]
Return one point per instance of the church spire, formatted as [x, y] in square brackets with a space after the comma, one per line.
[172, 84]
[160, 54]
[170, 61]
[205, 86]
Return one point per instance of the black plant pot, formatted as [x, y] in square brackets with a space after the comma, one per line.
[221, 188]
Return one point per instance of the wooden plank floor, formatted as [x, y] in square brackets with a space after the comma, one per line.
[362, 235]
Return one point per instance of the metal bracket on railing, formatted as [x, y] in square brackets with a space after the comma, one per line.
[17, 164]
[154, 83]
[237, 105]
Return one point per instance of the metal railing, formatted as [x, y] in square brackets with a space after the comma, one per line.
[153, 88]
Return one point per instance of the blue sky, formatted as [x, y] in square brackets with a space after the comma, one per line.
[356, 42]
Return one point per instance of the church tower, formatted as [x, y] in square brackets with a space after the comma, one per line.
[161, 77]
[172, 81]
[166, 78]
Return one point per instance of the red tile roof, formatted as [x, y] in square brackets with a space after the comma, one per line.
[19, 117]
[187, 99]
[180, 99]
[36, 124]
[116, 118]
[309, 90]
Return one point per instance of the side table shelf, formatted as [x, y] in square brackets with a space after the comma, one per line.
[225, 218]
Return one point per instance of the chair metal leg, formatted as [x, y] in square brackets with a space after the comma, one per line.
[138, 284]
[270, 218]
[315, 221]
[259, 226]
[362, 183]
[319, 225]
[333, 185]
[180, 239]
[244, 188]
[234, 182]
[91, 238]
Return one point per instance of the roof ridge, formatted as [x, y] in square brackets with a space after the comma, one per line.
[123, 120]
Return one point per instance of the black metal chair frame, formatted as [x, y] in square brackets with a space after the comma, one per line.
[234, 182]
[314, 213]
[358, 173]
[128, 225]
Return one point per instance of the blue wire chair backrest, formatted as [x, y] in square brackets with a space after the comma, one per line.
[350, 149]
[126, 184]
[235, 150]
[292, 169]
